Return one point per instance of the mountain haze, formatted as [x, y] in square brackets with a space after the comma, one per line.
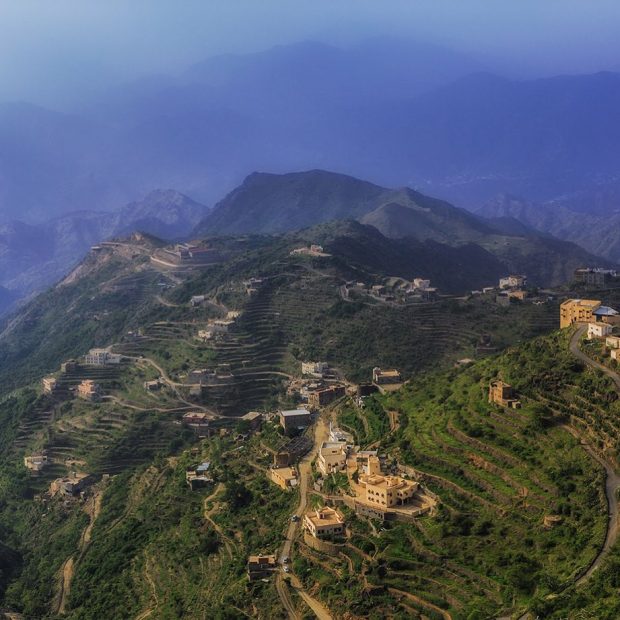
[396, 112]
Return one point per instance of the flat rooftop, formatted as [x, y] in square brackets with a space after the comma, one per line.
[325, 516]
[262, 559]
[389, 373]
[287, 473]
[293, 412]
[388, 482]
[199, 414]
[586, 303]
[333, 444]
[251, 415]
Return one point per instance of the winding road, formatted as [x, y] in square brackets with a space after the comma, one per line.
[580, 355]
[612, 479]
[321, 432]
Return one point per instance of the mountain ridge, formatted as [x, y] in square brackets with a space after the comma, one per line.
[271, 203]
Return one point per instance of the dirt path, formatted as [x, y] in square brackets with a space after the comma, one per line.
[579, 354]
[394, 421]
[65, 584]
[612, 484]
[147, 573]
[228, 543]
[165, 302]
[412, 597]
[363, 420]
[123, 403]
[174, 386]
[92, 509]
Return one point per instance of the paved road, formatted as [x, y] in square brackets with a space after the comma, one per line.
[612, 479]
[305, 469]
[579, 354]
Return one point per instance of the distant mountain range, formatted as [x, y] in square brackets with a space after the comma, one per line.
[434, 232]
[543, 139]
[395, 112]
[33, 256]
[203, 130]
[599, 233]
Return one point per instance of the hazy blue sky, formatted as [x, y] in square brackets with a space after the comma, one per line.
[53, 51]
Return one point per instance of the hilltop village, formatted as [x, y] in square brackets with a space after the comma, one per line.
[327, 450]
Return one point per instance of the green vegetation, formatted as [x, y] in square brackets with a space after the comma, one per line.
[156, 545]
[498, 474]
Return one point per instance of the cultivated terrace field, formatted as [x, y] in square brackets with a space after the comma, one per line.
[142, 544]
[486, 551]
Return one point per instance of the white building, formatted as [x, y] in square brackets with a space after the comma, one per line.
[36, 462]
[205, 334]
[512, 281]
[332, 457]
[420, 283]
[314, 369]
[612, 342]
[338, 435]
[599, 330]
[324, 522]
[101, 357]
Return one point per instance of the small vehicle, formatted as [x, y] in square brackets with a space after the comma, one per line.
[286, 559]
[287, 569]
[295, 518]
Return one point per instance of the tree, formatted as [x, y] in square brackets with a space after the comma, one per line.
[237, 494]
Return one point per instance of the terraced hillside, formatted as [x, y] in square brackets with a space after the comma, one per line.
[355, 335]
[298, 313]
[165, 551]
[499, 473]
[485, 552]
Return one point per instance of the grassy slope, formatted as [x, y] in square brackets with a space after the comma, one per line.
[486, 551]
[312, 321]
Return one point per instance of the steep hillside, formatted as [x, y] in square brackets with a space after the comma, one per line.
[271, 203]
[405, 213]
[142, 543]
[498, 472]
[158, 548]
[116, 288]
